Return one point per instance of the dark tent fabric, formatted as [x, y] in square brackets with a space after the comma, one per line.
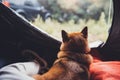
[111, 49]
[16, 34]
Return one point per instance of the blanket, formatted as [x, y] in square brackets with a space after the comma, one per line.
[104, 70]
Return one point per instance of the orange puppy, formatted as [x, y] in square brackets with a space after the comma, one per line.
[73, 58]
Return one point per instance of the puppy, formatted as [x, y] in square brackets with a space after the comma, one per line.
[73, 58]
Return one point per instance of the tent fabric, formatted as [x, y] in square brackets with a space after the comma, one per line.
[17, 34]
[111, 49]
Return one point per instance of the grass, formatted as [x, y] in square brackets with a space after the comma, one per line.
[97, 30]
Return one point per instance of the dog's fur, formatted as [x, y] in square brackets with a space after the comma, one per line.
[73, 58]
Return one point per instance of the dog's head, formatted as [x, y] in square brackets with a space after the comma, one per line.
[75, 42]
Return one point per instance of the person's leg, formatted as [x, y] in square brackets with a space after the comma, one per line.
[19, 71]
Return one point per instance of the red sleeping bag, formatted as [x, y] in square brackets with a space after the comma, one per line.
[105, 70]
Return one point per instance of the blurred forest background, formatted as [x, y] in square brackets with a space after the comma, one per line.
[73, 15]
[65, 10]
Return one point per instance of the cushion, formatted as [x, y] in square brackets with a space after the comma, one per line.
[105, 70]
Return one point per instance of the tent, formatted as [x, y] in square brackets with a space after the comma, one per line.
[17, 34]
[111, 49]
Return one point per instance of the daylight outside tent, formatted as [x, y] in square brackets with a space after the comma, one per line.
[71, 15]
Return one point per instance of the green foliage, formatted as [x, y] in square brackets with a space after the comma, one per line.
[97, 29]
[65, 10]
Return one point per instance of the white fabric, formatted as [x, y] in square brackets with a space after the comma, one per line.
[19, 71]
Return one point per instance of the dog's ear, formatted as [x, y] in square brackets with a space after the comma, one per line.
[64, 36]
[85, 32]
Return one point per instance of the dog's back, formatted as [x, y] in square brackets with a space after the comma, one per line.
[76, 65]
[67, 69]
